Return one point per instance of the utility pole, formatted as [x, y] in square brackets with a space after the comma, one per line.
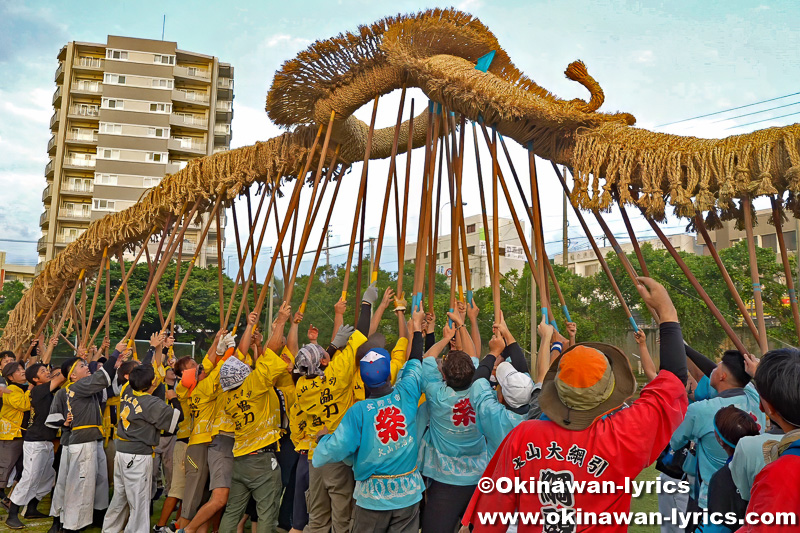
[328, 247]
[564, 239]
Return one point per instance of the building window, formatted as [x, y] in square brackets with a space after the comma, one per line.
[160, 108]
[103, 205]
[114, 79]
[162, 133]
[770, 241]
[108, 153]
[164, 59]
[111, 103]
[471, 228]
[105, 179]
[162, 83]
[117, 54]
[156, 157]
[150, 182]
[471, 250]
[114, 129]
[445, 255]
[791, 240]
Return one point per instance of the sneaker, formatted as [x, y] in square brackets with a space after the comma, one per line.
[162, 529]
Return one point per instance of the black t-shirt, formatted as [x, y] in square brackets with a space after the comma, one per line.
[41, 398]
[723, 496]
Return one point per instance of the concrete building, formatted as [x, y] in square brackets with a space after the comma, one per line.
[11, 272]
[763, 232]
[126, 113]
[512, 255]
[585, 263]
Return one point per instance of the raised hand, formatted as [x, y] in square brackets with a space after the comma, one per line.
[472, 310]
[496, 344]
[343, 335]
[298, 317]
[572, 330]
[640, 337]
[252, 319]
[750, 364]
[656, 296]
[371, 294]
[313, 333]
[285, 312]
[340, 307]
[388, 296]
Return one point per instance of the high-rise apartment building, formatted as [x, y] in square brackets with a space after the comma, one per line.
[125, 114]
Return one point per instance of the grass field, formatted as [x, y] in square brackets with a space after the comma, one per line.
[645, 503]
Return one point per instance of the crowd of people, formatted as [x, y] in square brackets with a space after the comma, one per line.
[359, 436]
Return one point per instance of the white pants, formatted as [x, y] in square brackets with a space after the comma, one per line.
[133, 475]
[668, 502]
[87, 463]
[57, 502]
[38, 474]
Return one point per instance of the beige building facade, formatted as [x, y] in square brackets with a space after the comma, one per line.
[126, 113]
[763, 233]
[12, 272]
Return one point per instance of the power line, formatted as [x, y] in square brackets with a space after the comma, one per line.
[765, 120]
[727, 110]
[755, 112]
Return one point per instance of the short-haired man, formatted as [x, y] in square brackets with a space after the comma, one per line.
[16, 404]
[141, 419]
[38, 475]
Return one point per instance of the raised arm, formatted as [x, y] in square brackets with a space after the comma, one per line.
[276, 339]
[47, 353]
[513, 351]
[673, 353]
[647, 362]
[388, 297]
[448, 332]
[430, 328]
[705, 365]
[338, 316]
[544, 355]
[247, 336]
[367, 301]
[572, 331]
[475, 332]
[487, 364]
[293, 337]
[417, 342]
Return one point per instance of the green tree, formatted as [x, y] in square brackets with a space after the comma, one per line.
[9, 297]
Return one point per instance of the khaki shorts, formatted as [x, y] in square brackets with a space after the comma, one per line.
[178, 482]
[196, 472]
[220, 462]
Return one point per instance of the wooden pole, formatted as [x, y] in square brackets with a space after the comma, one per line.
[459, 200]
[321, 242]
[701, 226]
[751, 250]
[697, 287]
[392, 169]
[282, 233]
[599, 255]
[360, 253]
[81, 319]
[121, 258]
[309, 222]
[49, 352]
[219, 272]
[43, 325]
[361, 192]
[279, 250]
[483, 203]
[192, 261]
[777, 219]
[108, 302]
[419, 261]
[450, 156]
[401, 244]
[495, 230]
[433, 243]
[88, 328]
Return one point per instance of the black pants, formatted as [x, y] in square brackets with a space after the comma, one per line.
[404, 520]
[300, 511]
[445, 506]
[287, 459]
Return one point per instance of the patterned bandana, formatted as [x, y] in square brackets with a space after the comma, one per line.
[308, 359]
[232, 373]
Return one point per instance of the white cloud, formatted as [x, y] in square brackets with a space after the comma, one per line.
[645, 56]
[282, 39]
[470, 5]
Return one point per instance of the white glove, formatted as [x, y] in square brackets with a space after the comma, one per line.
[228, 341]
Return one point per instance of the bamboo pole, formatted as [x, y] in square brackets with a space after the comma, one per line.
[282, 233]
[450, 156]
[431, 264]
[123, 286]
[401, 244]
[313, 271]
[459, 200]
[309, 222]
[599, 255]
[697, 287]
[279, 249]
[81, 319]
[433, 243]
[357, 308]
[777, 219]
[751, 250]
[392, 172]
[43, 325]
[419, 254]
[361, 192]
[192, 261]
[108, 303]
[701, 226]
[121, 258]
[151, 266]
[495, 231]
[88, 327]
[49, 352]
[483, 202]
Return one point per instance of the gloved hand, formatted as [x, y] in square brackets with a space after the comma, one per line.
[400, 303]
[371, 294]
[343, 335]
[228, 341]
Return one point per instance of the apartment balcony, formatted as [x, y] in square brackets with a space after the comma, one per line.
[41, 244]
[186, 120]
[191, 73]
[222, 129]
[87, 87]
[59, 76]
[86, 137]
[74, 215]
[219, 149]
[172, 168]
[44, 218]
[79, 163]
[77, 188]
[224, 109]
[49, 169]
[63, 239]
[225, 87]
[190, 97]
[54, 120]
[51, 145]
[89, 111]
[47, 193]
[189, 146]
[57, 97]
[88, 63]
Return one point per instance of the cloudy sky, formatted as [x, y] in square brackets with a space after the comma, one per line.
[663, 61]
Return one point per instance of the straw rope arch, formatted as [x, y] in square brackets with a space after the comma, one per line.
[437, 51]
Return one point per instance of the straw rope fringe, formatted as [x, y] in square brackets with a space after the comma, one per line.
[436, 51]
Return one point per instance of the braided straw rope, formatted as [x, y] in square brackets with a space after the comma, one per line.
[436, 50]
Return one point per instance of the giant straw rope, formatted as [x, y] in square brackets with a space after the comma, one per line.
[436, 51]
